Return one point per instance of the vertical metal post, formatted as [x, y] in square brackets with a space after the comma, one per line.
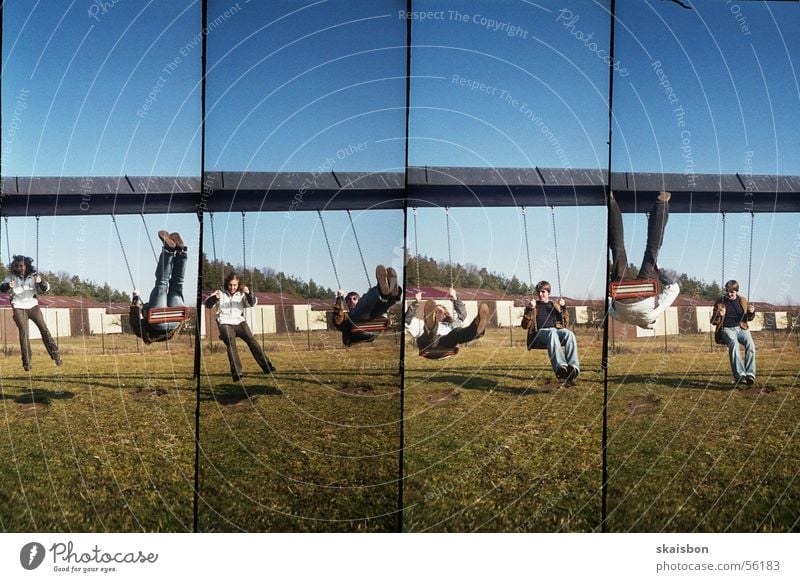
[102, 334]
[5, 335]
[510, 327]
[308, 327]
[58, 345]
[263, 331]
[665, 332]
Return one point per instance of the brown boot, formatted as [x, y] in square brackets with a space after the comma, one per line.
[166, 239]
[482, 320]
[394, 290]
[179, 246]
[383, 280]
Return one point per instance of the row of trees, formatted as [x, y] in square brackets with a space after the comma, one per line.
[62, 283]
[264, 279]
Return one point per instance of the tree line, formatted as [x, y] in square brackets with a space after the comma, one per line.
[265, 279]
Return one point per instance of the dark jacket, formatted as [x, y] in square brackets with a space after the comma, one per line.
[717, 319]
[529, 319]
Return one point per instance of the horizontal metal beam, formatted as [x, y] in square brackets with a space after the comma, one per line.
[427, 186]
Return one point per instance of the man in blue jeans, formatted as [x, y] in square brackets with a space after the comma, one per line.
[168, 291]
[353, 308]
[731, 315]
[546, 322]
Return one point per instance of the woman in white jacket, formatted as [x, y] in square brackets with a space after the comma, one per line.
[23, 283]
[230, 305]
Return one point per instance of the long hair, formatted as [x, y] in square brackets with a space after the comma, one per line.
[28, 261]
[230, 277]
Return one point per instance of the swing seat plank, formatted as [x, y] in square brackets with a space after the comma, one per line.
[438, 353]
[167, 314]
[377, 325]
[634, 289]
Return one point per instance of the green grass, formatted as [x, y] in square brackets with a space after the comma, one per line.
[688, 452]
[90, 446]
[313, 448]
[491, 446]
[106, 443]
[494, 444]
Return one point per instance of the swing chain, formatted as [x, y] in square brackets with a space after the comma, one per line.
[124, 254]
[330, 251]
[8, 241]
[213, 237]
[244, 248]
[527, 245]
[750, 262]
[37, 242]
[555, 247]
[416, 247]
[722, 281]
[147, 235]
[358, 246]
[449, 250]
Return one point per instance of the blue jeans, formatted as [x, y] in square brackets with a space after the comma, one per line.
[553, 338]
[734, 336]
[371, 305]
[168, 290]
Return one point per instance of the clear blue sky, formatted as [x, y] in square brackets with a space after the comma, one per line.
[77, 102]
[494, 84]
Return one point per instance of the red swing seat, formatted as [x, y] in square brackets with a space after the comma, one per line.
[634, 289]
[377, 325]
[438, 353]
[167, 314]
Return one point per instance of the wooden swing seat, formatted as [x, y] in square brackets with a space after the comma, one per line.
[634, 289]
[377, 325]
[167, 314]
[438, 353]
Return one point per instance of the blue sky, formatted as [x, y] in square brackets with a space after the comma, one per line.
[494, 84]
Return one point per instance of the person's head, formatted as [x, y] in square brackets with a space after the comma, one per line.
[351, 299]
[231, 283]
[442, 314]
[732, 289]
[22, 265]
[543, 288]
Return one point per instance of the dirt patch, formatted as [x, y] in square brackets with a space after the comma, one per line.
[236, 402]
[148, 394]
[756, 389]
[32, 408]
[355, 388]
[645, 404]
[442, 397]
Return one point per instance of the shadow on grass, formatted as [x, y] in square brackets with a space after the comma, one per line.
[477, 383]
[38, 395]
[229, 394]
[694, 381]
[98, 381]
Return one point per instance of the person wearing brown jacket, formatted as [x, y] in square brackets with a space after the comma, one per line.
[730, 316]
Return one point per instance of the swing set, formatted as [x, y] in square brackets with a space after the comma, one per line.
[375, 325]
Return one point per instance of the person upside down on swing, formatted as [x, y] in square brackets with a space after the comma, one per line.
[641, 311]
[167, 292]
[433, 326]
[352, 309]
[547, 322]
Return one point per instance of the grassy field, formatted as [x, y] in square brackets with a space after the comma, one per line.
[315, 447]
[492, 445]
[688, 452]
[492, 442]
[104, 443]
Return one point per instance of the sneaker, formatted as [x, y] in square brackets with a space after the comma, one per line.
[236, 377]
[391, 275]
[562, 373]
[383, 281]
[58, 361]
[270, 368]
[166, 239]
[749, 379]
[664, 196]
[429, 317]
[482, 320]
[572, 375]
[26, 367]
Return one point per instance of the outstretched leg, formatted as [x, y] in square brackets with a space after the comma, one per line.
[36, 316]
[175, 289]
[655, 236]
[466, 334]
[616, 241]
[244, 332]
[227, 333]
[159, 294]
[21, 319]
